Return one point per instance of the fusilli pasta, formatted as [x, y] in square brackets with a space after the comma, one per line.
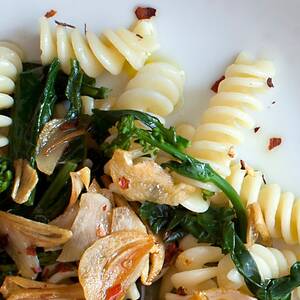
[271, 263]
[10, 66]
[190, 271]
[281, 210]
[94, 53]
[157, 88]
[219, 131]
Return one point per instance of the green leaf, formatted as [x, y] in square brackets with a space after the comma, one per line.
[95, 92]
[55, 195]
[156, 215]
[48, 99]
[6, 174]
[73, 90]
[29, 88]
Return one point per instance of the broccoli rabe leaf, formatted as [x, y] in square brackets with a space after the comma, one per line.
[6, 174]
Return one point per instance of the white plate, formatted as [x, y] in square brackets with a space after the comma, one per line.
[204, 37]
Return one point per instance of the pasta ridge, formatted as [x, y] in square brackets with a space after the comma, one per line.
[94, 54]
[280, 209]
[10, 67]
[219, 131]
[156, 88]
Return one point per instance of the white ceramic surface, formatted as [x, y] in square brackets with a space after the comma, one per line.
[203, 36]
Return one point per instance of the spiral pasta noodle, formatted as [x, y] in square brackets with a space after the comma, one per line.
[190, 272]
[271, 263]
[157, 88]
[281, 210]
[10, 67]
[95, 54]
[220, 128]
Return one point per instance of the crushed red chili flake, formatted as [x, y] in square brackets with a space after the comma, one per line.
[140, 36]
[114, 292]
[215, 86]
[274, 142]
[243, 165]
[181, 291]
[264, 179]
[64, 24]
[256, 129]
[3, 241]
[171, 251]
[124, 183]
[270, 82]
[145, 12]
[31, 251]
[50, 13]
[104, 207]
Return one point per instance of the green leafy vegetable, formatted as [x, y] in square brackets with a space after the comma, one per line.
[54, 198]
[29, 88]
[6, 174]
[49, 97]
[73, 90]
[95, 92]
[166, 140]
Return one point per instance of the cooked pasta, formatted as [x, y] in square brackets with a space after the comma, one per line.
[219, 129]
[191, 274]
[157, 88]
[95, 54]
[271, 263]
[280, 209]
[10, 66]
[190, 271]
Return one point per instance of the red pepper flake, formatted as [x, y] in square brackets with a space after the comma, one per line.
[256, 129]
[243, 165]
[215, 86]
[31, 251]
[114, 292]
[104, 207]
[51, 13]
[64, 24]
[171, 251]
[124, 183]
[270, 82]
[145, 12]
[3, 241]
[274, 142]
[140, 36]
[181, 291]
[264, 179]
